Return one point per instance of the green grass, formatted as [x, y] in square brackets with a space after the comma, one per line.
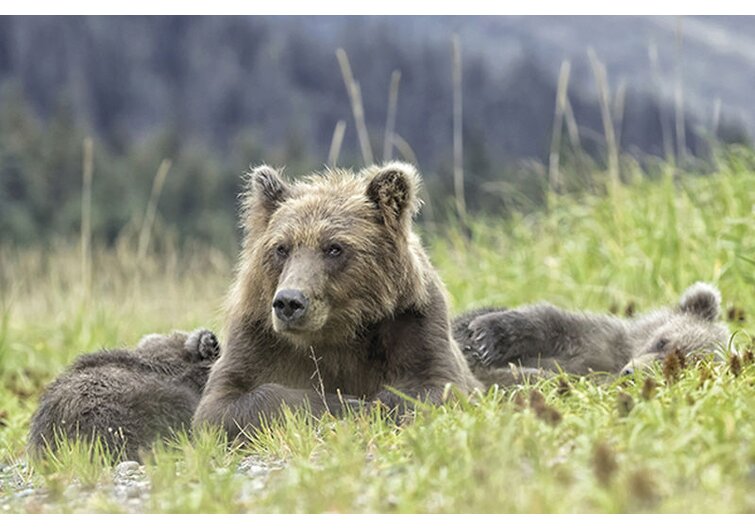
[587, 447]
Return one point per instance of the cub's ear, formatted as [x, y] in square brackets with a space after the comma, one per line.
[703, 300]
[264, 191]
[394, 189]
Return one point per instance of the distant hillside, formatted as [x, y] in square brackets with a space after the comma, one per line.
[215, 94]
[277, 79]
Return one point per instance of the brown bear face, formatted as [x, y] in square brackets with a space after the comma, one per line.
[329, 253]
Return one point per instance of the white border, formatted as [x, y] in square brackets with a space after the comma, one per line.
[375, 7]
[373, 521]
[384, 7]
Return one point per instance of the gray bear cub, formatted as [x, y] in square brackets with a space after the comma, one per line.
[128, 398]
[542, 339]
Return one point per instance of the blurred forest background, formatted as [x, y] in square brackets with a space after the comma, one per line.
[216, 94]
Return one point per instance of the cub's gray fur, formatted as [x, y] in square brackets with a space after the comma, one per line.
[542, 339]
[128, 398]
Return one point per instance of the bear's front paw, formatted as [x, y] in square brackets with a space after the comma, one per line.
[202, 344]
[502, 337]
[487, 333]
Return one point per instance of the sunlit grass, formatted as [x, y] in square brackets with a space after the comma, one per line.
[678, 444]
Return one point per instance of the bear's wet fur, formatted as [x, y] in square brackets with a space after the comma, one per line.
[335, 302]
[542, 339]
[126, 397]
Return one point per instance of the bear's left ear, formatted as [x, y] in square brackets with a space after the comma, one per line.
[703, 300]
[394, 189]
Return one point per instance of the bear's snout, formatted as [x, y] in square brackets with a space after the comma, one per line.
[290, 305]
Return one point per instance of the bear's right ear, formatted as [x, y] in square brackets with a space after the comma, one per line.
[394, 189]
[264, 192]
[703, 300]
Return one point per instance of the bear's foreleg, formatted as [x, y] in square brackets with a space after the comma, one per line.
[242, 414]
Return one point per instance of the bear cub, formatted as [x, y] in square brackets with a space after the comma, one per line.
[542, 339]
[128, 398]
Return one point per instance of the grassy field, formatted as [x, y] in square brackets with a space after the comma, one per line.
[657, 443]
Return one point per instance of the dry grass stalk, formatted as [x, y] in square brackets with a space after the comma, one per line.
[571, 125]
[713, 142]
[320, 390]
[408, 154]
[390, 120]
[404, 149]
[604, 463]
[86, 216]
[619, 104]
[335, 143]
[648, 388]
[145, 233]
[558, 124]
[357, 108]
[668, 148]
[573, 131]
[624, 404]
[735, 365]
[601, 82]
[716, 121]
[681, 139]
[461, 205]
[673, 365]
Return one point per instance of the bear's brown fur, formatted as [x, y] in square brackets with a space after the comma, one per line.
[334, 303]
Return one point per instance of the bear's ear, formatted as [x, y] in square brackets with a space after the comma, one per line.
[394, 189]
[703, 300]
[264, 192]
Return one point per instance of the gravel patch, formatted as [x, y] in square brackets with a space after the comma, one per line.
[130, 489]
[257, 472]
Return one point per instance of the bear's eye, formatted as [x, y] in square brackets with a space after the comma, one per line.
[282, 251]
[334, 250]
[661, 344]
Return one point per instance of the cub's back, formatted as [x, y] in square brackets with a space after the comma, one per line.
[126, 398]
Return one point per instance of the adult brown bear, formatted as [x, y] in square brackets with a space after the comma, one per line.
[335, 302]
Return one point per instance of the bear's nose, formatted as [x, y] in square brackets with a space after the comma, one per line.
[290, 305]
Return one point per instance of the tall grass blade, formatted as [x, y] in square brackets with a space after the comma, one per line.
[601, 82]
[681, 135]
[86, 217]
[335, 143]
[461, 204]
[149, 217]
[558, 124]
[619, 103]
[357, 108]
[390, 120]
[668, 146]
[408, 154]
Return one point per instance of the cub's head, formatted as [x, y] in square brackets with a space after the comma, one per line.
[693, 326]
[329, 253]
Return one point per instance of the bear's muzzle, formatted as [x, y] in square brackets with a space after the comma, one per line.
[290, 305]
